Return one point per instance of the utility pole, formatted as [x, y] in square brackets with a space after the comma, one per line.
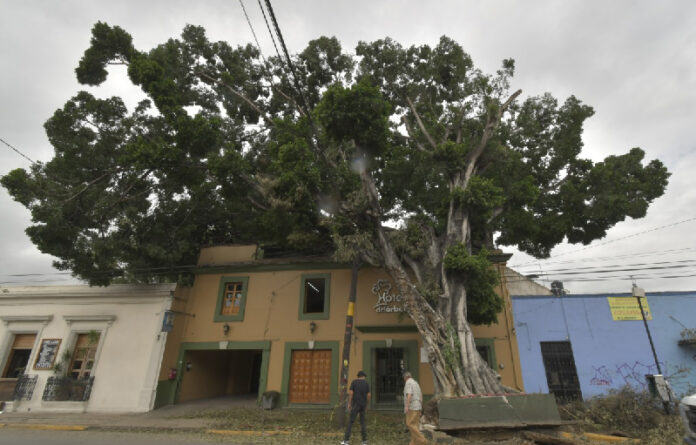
[639, 293]
[347, 338]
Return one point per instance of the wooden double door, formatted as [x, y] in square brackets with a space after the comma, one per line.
[310, 376]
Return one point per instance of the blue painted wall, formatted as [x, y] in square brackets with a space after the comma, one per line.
[608, 354]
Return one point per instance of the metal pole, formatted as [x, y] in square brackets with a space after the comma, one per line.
[341, 413]
[652, 345]
[647, 329]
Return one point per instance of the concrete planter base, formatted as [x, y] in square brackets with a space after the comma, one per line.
[511, 411]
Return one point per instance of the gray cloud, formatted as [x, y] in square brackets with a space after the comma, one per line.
[631, 60]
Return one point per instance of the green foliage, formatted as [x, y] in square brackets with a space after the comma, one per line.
[107, 44]
[220, 152]
[357, 114]
[451, 351]
[480, 280]
[481, 196]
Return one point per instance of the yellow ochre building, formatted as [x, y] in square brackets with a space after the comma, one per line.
[248, 325]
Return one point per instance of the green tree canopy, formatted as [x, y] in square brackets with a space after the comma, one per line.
[226, 149]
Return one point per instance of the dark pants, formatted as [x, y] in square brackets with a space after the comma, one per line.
[353, 414]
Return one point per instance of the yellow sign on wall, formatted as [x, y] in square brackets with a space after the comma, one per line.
[626, 308]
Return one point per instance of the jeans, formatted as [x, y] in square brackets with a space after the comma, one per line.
[353, 414]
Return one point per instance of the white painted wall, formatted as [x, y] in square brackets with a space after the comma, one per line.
[130, 348]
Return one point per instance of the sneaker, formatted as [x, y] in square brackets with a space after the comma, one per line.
[364, 442]
[345, 442]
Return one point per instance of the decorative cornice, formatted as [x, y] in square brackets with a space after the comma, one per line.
[109, 319]
[130, 291]
[7, 319]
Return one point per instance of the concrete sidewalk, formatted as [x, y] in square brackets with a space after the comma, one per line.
[182, 417]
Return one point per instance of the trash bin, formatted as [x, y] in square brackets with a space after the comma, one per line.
[269, 399]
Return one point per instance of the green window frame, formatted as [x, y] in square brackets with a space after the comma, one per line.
[488, 344]
[412, 364]
[221, 296]
[324, 314]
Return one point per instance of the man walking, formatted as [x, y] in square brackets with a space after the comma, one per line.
[358, 400]
[413, 404]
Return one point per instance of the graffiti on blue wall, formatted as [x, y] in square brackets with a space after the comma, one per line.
[631, 374]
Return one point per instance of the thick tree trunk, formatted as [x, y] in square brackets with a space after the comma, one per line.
[457, 367]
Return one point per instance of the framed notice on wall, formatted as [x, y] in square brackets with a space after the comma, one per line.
[47, 353]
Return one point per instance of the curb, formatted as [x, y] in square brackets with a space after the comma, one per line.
[248, 433]
[39, 426]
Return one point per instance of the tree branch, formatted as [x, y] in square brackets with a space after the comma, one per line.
[409, 130]
[459, 129]
[289, 99]
[415, 267]
[420, 123]
[491, 125]
[241, 96]
[86, 187]
[496, 213]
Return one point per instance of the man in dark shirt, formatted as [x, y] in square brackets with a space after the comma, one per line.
[358, 400]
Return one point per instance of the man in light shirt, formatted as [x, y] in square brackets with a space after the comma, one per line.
[413, 404]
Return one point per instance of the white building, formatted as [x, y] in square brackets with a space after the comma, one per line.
[81, 348]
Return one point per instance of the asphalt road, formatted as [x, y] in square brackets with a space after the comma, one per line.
[11, 436]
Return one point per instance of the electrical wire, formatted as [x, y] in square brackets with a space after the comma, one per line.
[289, 61]
[616, 267]
[269, 31]
[18, 152]
[613, 257]
[258, 45]
[614, 240]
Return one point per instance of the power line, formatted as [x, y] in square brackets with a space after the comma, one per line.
[612, 241]
[616, 267]
[613, 257]
[295, 78]
[258, 45]
[18, 152]
[265, 19]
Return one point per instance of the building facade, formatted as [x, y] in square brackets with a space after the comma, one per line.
[250, 325]
[579, 346]
[81, 348]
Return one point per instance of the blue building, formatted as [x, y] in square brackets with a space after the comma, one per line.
[584, 345]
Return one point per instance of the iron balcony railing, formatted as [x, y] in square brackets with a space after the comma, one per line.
[24, 388]
[59, 389]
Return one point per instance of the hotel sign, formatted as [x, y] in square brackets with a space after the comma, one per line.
[386, 300]
[626, 308]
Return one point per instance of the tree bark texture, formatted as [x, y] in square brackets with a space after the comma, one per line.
[457, 367]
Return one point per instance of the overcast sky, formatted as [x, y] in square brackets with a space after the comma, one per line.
[633, 61]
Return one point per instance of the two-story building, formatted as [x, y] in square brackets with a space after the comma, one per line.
[249, 325]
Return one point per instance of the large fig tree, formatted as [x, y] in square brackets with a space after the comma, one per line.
[409, 158]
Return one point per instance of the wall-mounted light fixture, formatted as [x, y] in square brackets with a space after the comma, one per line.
[312, 327]
[225, 329]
